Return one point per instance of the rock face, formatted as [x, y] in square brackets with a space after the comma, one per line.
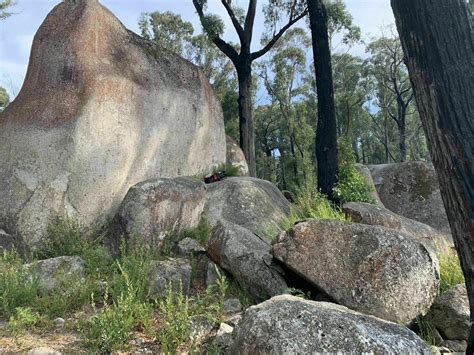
[366, 213]
[291, 325]
[247, 257]
[370, 269]
[450, 314]
[52, 271]
[174, 273]
[235, 157]
[7, 242]
[364, 171]
[153, 208]
[411, 189]
[252, 203]
[99, 111]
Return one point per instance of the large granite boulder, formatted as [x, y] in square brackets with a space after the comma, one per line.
[367, 213]
[364, 171]
[155, 208]
[235, 157]
[370, 269]
[411, 189]
[255, 204]
[247, 257]
[450, 314]
[100, 110]
[291, 325]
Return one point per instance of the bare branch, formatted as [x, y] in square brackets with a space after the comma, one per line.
[275, 38]
[235, 21]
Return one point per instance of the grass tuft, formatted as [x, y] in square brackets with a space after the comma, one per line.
[450, 270]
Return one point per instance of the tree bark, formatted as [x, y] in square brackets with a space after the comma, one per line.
[326, 133]
[247, 136]
[438, 41]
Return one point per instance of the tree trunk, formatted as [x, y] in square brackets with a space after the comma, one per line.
[438, 41]
[326, 134]
[247, 138]
[402, 143]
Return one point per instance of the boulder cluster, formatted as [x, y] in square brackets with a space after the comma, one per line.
[107, 128]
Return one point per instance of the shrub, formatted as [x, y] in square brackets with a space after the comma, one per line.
[112, 327]
[352, 186]
[176, 329]
[18, 287]
[22, 319]
[425, 331]
[450, 270]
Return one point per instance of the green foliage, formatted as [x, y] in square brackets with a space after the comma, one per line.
[311, 204]
[176, 329]
[63, 237]
[111, 328]
[352, 186]
[167, 30]
[4, 99]
[450, 270]
[18, 287]
[425, 331]
[4, 5]
[23, 318]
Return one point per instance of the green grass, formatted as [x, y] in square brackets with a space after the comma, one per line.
[425, 331]
[311, 204]
[116, 289]
[450, 270]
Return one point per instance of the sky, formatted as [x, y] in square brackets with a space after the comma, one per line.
[16, 32]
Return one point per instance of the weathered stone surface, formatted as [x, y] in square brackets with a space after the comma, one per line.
[456, 346]
[411, 189]
[100, 111]
[43, 351]
[450, 314]
[172, 272]
[232, 305]
[235, 157]
[154, 208]
[7, 242]
[252, 203]
[291, 325]
[50, 272]
[247, 257]
[370, 269]
[189, 246]
[366, 213]
[364, 171]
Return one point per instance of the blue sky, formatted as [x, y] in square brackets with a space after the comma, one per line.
[16, 33]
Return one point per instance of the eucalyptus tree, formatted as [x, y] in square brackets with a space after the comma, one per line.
[393, 87]
[326, 133]
[438, 43]
[283, 75]
[280, 15]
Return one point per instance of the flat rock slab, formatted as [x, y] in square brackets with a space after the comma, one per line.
[291, 325]
[374, 215]
[370, 269]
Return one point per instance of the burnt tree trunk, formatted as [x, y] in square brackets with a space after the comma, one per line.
[438, 41]
[326, 133]
[247, 137]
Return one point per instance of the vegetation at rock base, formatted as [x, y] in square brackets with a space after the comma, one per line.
[112, 299]
[450, 270]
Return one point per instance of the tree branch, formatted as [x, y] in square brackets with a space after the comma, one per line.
[249, 21]
[235, 21]
[275, 38]
[225, 47]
